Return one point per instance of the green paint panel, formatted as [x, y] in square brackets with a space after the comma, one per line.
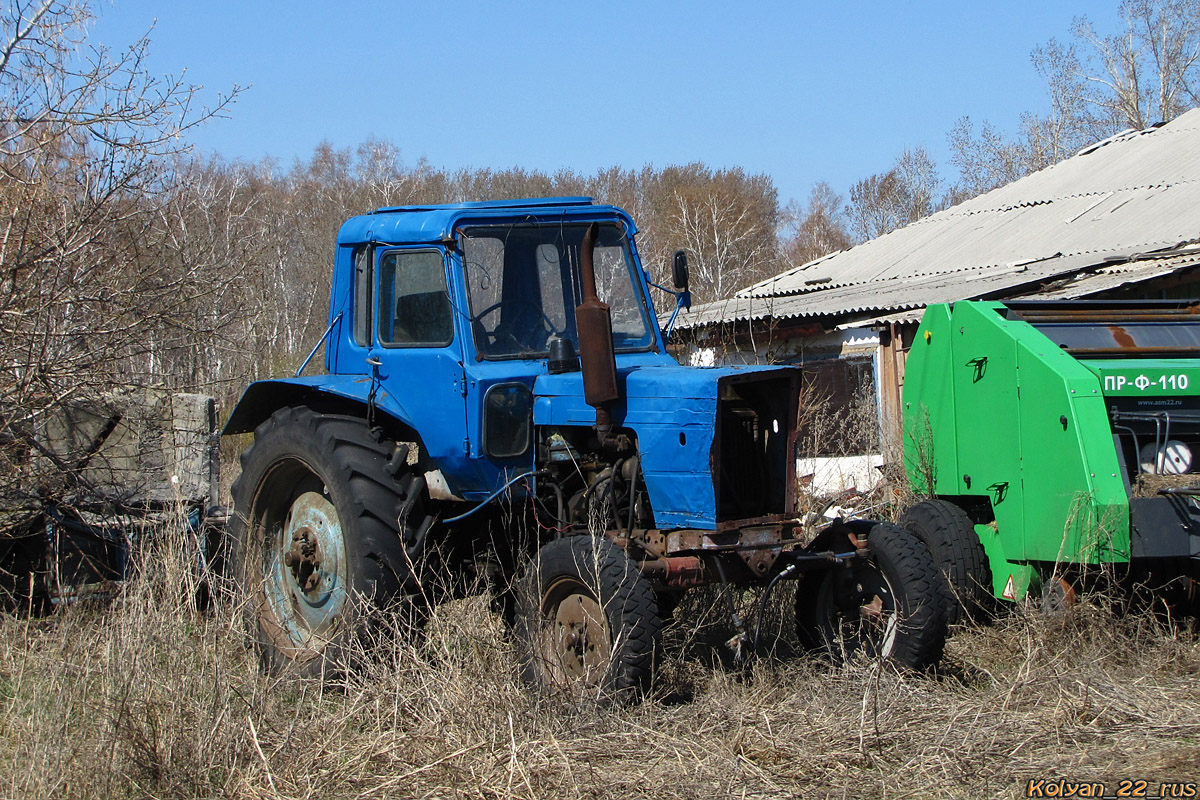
[997, 414]
[1003, 570]
[1147, 378]
[928, 365]
[984, 369]
[1076, 506]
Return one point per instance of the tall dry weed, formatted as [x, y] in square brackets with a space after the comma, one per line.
[146, 697]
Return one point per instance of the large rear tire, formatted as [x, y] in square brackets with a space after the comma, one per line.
[587, 622]
[966, 577]
[329, 527]
[887, 605]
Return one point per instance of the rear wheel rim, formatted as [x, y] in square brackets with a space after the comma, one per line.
[305, 582]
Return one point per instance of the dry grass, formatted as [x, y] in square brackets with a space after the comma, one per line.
[145, 698]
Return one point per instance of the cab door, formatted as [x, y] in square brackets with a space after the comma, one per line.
[513, 282]
[419, 356]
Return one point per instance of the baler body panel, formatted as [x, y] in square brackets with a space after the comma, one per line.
[1030, 416]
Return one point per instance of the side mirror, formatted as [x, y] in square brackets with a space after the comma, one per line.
[680, 272]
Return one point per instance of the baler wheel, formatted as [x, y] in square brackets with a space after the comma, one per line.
[966, 578]
[886, 605]
[587, 621]
[329, 523]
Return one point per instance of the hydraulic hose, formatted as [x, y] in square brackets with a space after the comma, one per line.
[491, 497]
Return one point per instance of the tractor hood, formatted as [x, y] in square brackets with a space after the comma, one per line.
[677, 414]
[563, 394]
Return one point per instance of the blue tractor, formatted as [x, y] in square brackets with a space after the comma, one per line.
[499, 404]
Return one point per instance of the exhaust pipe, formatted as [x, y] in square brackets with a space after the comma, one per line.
[593, 321]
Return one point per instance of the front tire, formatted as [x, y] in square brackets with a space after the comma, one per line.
[887, 605]
[587, 621]
[329, 526]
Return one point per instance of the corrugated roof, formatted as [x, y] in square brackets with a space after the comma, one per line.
[1072, 286]
[1106, 279]
[1134, 194]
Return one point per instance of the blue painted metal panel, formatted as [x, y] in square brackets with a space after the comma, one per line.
[673, 411]
[442, 438]
[263, 398]
[428, 224]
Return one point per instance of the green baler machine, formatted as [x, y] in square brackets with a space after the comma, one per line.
[1052, 438]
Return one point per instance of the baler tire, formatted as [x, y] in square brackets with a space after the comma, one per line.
[887, 605]
[577, 589]
[329, 484]
[966, 577]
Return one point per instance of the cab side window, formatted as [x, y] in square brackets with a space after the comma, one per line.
[364, 259]
[414, 307]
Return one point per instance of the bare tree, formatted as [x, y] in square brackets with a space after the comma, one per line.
[883, 202]
[988, 160]
[89, 141]
[728, 226]
[817, 229]
[1145, 74]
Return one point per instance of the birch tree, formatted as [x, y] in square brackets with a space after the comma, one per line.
[89, 142]
[1146, 73]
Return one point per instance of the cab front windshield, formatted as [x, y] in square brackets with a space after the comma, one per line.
[523, 282]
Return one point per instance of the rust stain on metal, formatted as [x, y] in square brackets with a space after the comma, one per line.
[594, 324]
[1121, 336]
[758, 545]
[677, 572]
[754, 522]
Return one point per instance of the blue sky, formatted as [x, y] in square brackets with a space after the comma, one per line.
[801, 91]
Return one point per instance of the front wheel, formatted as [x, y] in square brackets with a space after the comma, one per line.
[587, 621]
[329, 526]
[886, 605]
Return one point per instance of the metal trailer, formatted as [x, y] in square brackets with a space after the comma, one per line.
[108, 476]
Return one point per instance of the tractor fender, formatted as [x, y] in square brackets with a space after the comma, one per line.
[343, 394]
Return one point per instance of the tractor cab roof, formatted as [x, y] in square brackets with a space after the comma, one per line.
[436, 223]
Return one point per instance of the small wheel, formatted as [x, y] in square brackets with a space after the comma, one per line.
[950, 536]
[587, 622]
[885, 606]
[328, 525]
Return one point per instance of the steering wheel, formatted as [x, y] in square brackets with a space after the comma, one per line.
[520, 343]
